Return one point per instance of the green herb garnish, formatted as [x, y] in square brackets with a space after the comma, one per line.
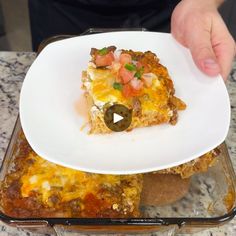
[103, 51]
[117, 86]
[130, 67]
[139, 73]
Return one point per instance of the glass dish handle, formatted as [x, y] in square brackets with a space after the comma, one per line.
[62, 230]
[106, 30]
[55, 38]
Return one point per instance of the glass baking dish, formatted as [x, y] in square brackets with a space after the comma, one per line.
[209, 202]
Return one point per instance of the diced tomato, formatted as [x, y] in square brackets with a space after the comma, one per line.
[136, 84]
[125, 58]
[128, 91]
[104, 60]
[125, 75]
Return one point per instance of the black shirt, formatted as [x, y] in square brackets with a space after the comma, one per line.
[51, 17]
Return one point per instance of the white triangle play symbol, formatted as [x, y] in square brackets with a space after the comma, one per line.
[117, 117]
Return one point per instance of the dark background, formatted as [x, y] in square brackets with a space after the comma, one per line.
[15, 31]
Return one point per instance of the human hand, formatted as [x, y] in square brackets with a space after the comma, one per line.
[198, 26]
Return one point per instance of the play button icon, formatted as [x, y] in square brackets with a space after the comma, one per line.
[118, 117]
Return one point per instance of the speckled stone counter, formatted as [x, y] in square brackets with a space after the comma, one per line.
[13, 67]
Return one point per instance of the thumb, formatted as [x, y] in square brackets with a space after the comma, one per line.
[203, 54]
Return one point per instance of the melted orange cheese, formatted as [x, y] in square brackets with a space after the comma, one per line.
[154, 98]
[45, 178]
[101, 86]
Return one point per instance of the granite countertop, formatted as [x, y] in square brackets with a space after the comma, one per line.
[13, 67]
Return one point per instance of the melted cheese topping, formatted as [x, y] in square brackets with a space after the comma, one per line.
[101, 86]
[154, 98]
[46, 178]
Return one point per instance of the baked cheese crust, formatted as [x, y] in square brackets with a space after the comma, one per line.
[35, 187]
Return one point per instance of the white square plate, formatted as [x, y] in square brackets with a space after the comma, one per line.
[53, 127]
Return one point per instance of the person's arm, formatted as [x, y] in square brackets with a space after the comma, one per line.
[198, 26]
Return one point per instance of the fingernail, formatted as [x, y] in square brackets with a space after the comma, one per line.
[211, 64]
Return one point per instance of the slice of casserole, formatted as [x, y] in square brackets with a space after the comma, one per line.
[134, 79]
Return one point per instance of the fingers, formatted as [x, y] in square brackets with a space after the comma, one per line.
[199, 43]
[225, 53]
[206, 35]
[177, 29]
[211, 45]
[223, 46]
